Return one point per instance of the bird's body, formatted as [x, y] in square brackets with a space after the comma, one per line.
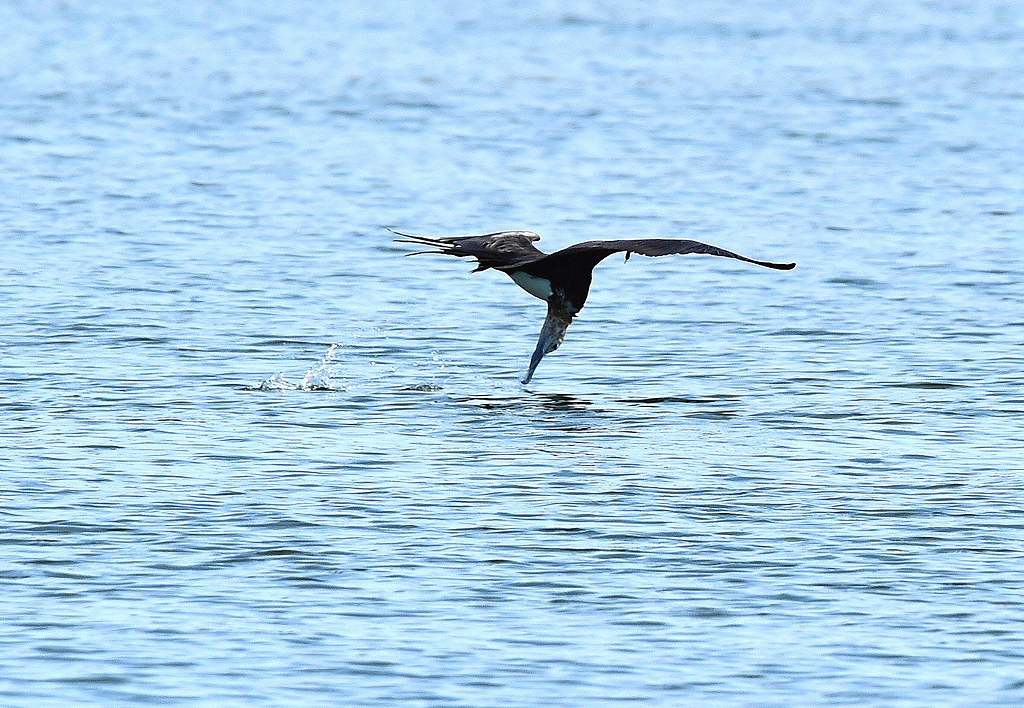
[562, 278]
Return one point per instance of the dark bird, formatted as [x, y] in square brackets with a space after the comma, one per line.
[562, 278]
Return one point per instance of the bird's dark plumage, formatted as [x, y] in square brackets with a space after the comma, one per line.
[561, 278]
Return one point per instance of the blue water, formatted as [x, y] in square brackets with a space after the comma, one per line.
[252, 455]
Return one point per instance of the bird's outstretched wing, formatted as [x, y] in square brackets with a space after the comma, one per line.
[495, 250]
[660, 247]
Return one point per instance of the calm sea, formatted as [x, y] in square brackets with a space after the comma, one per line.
[252, 455]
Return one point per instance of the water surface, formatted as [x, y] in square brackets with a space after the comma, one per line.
[252, 455]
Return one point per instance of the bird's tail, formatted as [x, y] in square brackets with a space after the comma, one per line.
[438, 244]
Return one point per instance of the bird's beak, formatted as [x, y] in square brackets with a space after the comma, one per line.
[538, 354]
[551, 336]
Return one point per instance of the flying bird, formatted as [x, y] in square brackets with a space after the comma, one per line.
[562, 279]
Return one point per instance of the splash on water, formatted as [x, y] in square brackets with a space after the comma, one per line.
[317, 378]
[277, 382]
[361, 368]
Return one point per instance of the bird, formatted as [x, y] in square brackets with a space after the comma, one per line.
[563, 278]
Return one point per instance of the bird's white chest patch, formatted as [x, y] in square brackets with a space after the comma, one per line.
[538, 287]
